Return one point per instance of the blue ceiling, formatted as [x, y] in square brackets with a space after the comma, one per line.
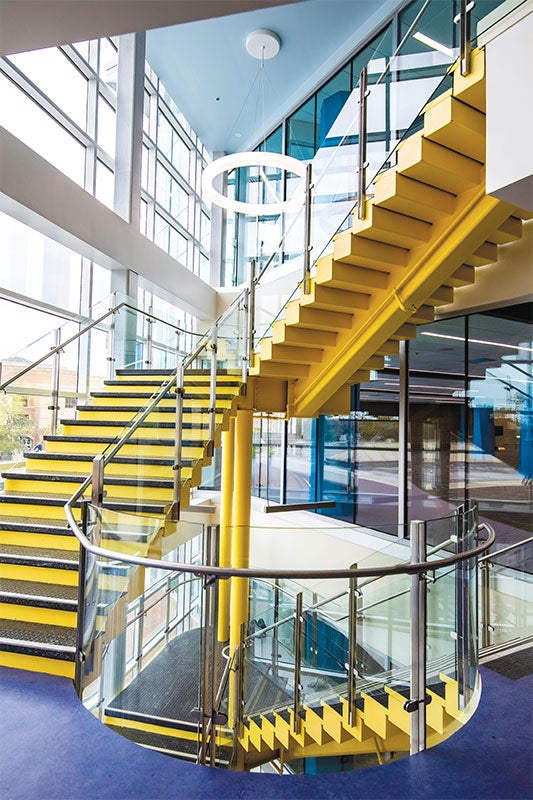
[215, 83]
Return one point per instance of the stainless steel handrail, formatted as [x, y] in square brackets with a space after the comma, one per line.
[241, 572]
[84, 330]
[135, 423]
[508, 549]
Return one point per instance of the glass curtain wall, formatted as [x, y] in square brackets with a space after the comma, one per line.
[325, 120]
[62, 102]
[173, 213]
[470, 433]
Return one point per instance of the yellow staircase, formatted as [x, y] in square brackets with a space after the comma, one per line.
[428, 228]
[381, 724]
[39, 553]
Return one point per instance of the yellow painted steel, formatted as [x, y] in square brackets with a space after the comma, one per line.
[44, 616]
[240, 545]
[49, 666]
[66, 577]
[429, 266]
[49, 541]
[412, 198]
[33, 511]
[176, 733]
[226, 515]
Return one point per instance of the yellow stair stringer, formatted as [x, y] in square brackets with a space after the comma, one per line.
[378, 728]
[454, 240]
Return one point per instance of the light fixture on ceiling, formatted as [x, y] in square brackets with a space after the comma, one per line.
[427, 40]
[263, 45]
[253, 159]
[477, 341]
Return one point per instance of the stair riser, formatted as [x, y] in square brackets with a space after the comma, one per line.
[29, 539]
[23, 572]
[42, 616]
[425, 161]
[200, 388]
[84, 468]
[32, 511]
[398, 193]
[195, 418]
[48, 666]
[382, 225]
[170, 403]
[64, 488]
[140, 451]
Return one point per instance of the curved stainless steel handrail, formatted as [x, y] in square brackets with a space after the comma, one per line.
[229, 572]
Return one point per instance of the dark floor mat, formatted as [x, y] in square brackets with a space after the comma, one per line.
[514, 665]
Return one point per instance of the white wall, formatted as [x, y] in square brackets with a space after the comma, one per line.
[509, 68]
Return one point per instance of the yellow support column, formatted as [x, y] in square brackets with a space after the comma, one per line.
[240, 544]
[226, 522]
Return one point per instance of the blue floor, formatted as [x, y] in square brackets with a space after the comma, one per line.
[51, 747]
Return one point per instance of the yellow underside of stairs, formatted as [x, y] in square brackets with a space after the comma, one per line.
[376, 729]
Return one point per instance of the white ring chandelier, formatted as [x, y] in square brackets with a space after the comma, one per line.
[253, 159]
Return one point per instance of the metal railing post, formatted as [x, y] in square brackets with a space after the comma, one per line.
[416, 705]
[275, 636]
[149, 342]
[363, 164]
[352, 648]
[465, 44]
[241, 677]
[249, 345]
[111, 359]
[486, 628]
[54, 389]
[176, 494]
[213, 390]
[140, 634]
[298, 631]
[80, 620]
[307, 228]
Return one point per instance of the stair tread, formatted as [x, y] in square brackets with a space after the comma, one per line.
[163, 462]
[135, 408]
[148, 395]
[111, 480]
[56, 638]
[37, 589]
[49, 595]
[122, 424]
[40, 595]
[111, 440]
[48, 498]
[41, 554]
[55, 526]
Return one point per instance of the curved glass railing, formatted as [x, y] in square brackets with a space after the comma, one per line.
[148, 613]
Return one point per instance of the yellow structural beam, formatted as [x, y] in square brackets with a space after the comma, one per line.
[226, 518]
[427, 267]
[240, 543]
